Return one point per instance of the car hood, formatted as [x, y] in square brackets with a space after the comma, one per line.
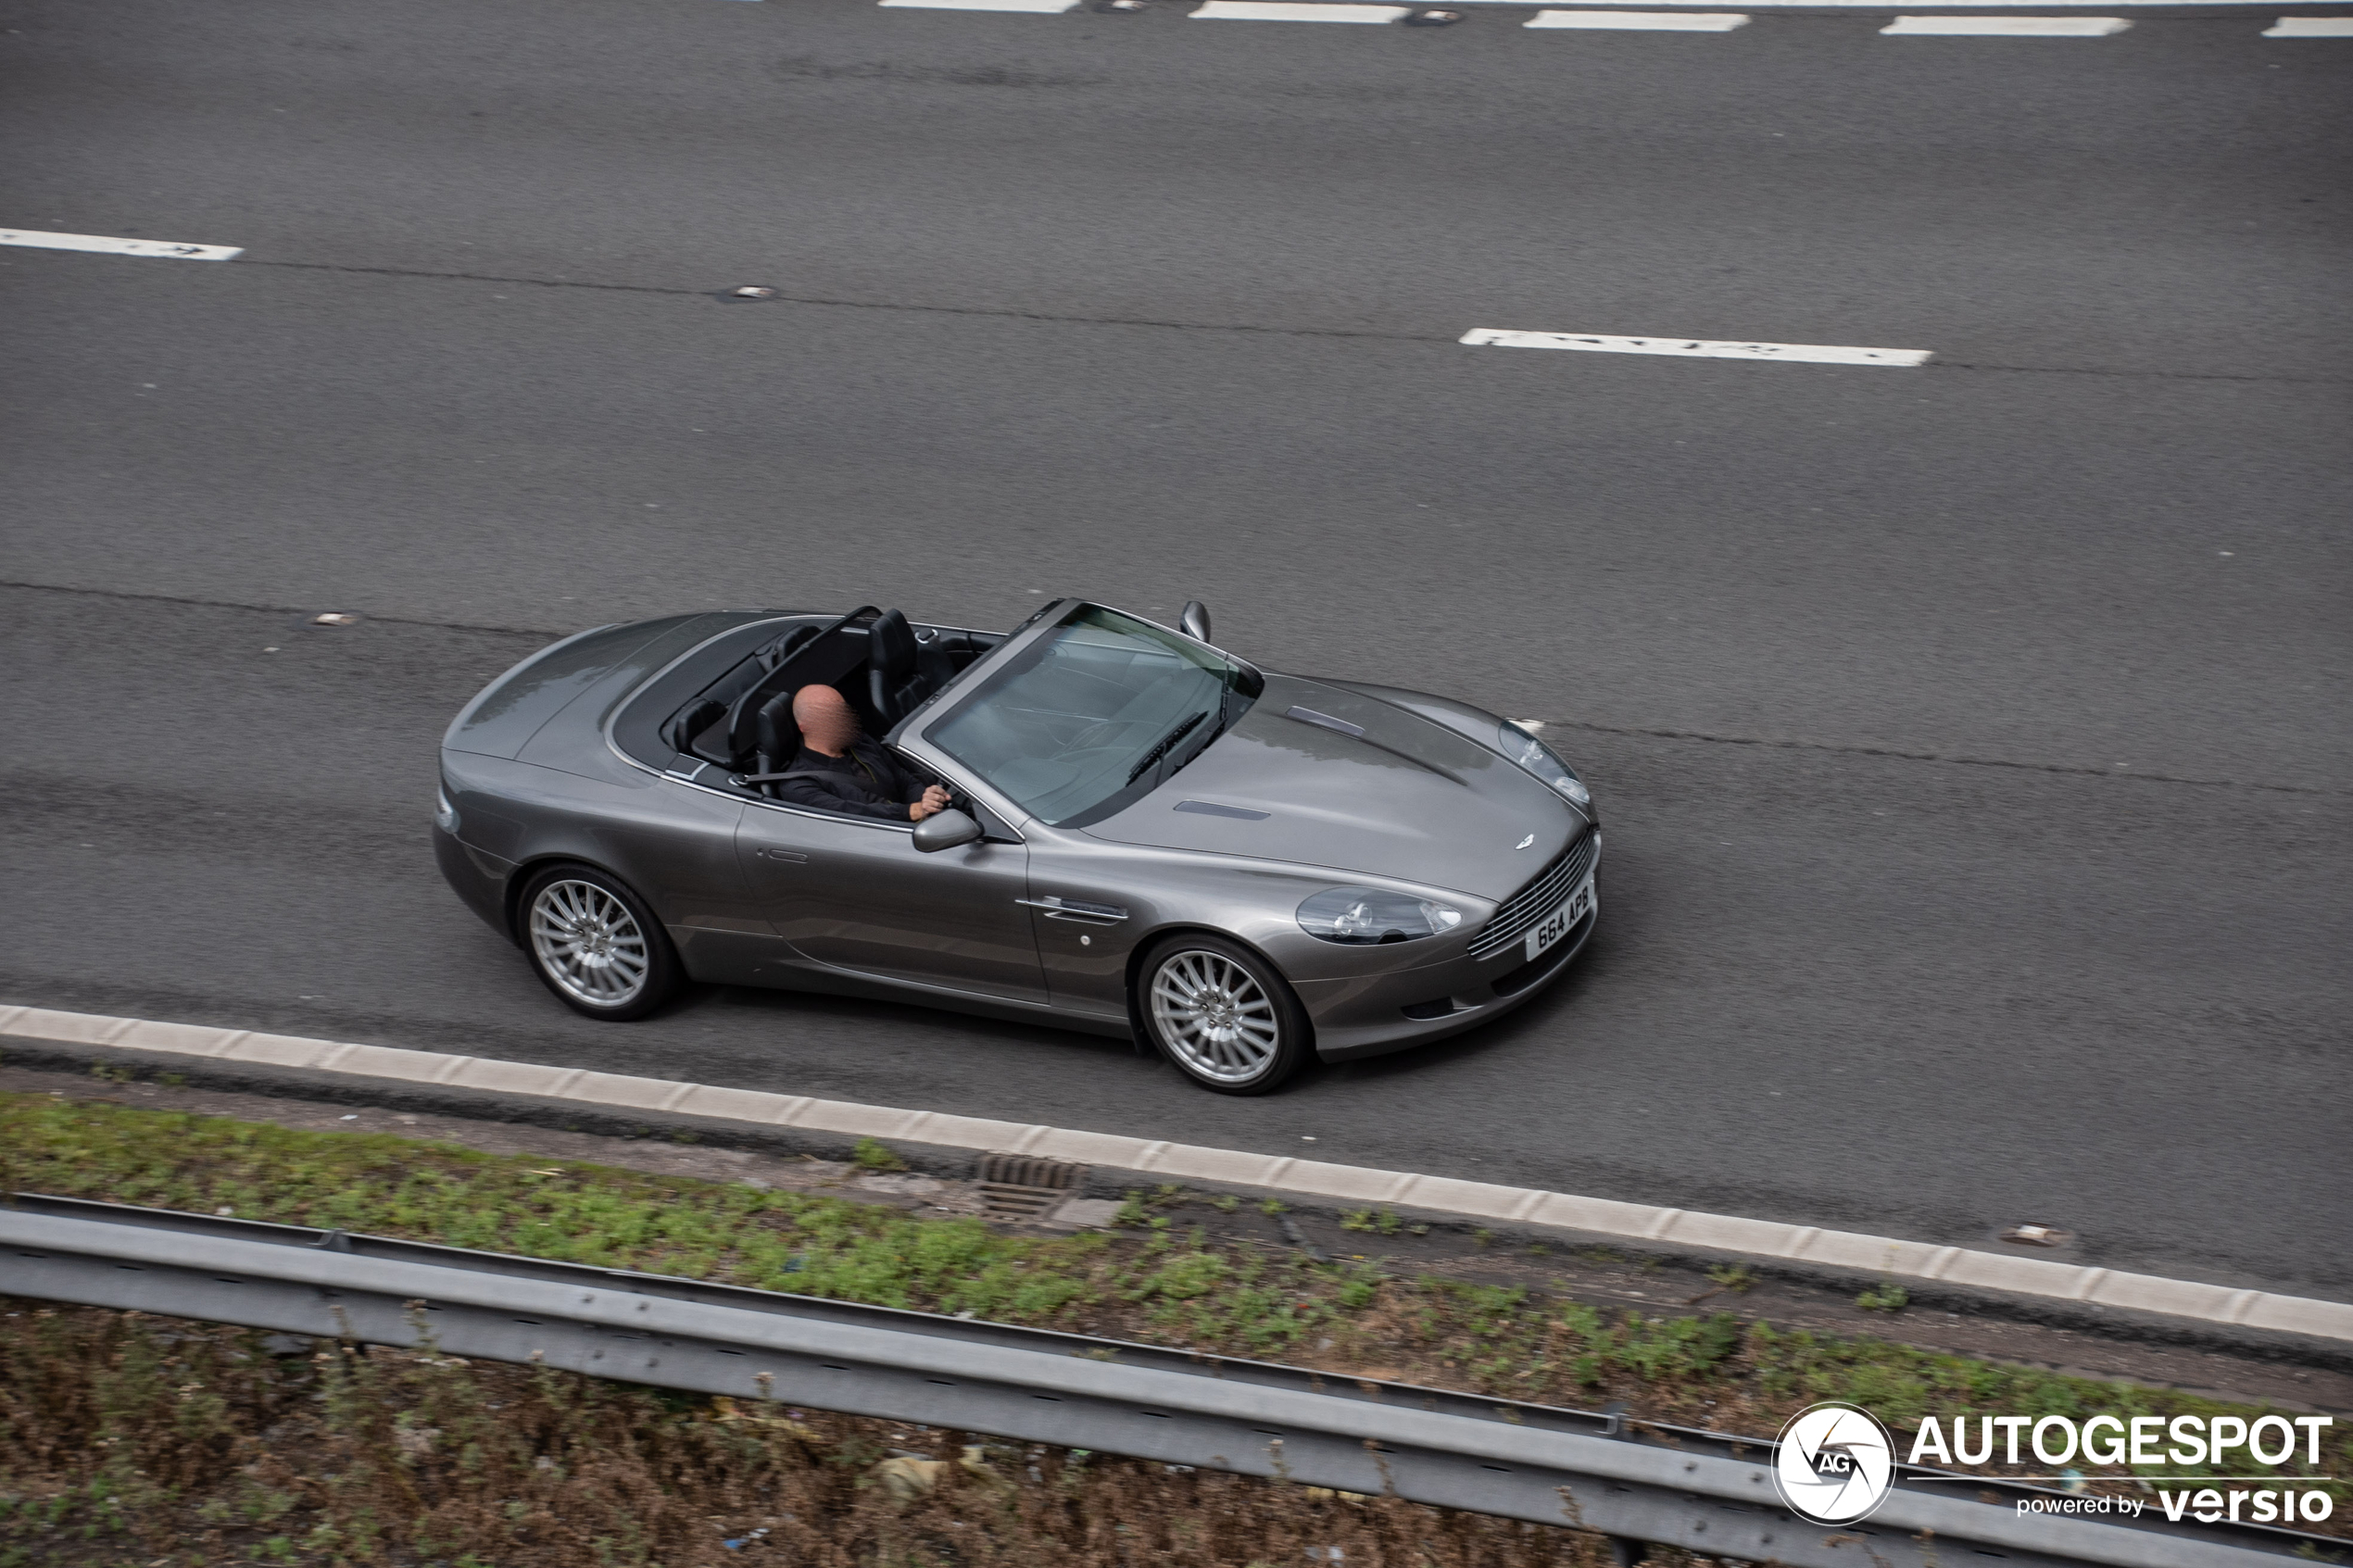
[1405, 798]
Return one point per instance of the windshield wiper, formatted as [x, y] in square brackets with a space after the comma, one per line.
[1229, 709]
[1151, 759]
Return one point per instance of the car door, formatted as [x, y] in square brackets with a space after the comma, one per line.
[1085, 916]
[855, 894]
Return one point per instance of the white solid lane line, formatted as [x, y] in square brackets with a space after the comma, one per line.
[1883, 4]
[1642, 22]
[37, 240]
[2004, 27]
[1281, 11]
[2310, 27]
[1042, 8]
[1695, 349]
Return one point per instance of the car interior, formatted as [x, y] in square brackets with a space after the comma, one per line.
[882, 663]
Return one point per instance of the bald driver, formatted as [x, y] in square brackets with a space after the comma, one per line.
[853, 775]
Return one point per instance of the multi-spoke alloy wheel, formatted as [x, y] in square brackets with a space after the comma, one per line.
[1222, 1022]
[593, 947]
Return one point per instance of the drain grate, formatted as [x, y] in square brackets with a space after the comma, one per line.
[1021, 1186]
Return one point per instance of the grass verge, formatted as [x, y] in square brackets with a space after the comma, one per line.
[138, 1442]
[1158, 1279]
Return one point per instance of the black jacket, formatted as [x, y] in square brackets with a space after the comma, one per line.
[865, 781]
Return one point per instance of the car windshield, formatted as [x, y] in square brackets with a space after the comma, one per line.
[1095, 714]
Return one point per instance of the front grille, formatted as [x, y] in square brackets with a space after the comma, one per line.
[1518, 914]
[1546, 964]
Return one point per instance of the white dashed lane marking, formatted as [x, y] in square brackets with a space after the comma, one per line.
[1694, 348]
[1642, 22]
[1281, 11]
[1042, 8]
[2004, 27]
[37, 240]
[1679, 21]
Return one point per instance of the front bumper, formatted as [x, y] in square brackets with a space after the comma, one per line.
[1366, 1014]
[1413, 1007]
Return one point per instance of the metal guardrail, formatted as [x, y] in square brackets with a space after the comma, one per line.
[1701, 1490]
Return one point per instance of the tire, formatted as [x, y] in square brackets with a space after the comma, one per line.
[596, 944]
[1222, 1014]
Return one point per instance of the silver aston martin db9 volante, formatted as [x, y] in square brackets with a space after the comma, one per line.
[1147, 837]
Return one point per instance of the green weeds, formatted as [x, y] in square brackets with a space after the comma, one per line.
[1886, 1297]
[869, 1155]
[1738, 1278]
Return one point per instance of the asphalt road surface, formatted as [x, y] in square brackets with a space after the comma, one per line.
[1972, 737]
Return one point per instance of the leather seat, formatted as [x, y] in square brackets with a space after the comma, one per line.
[902, 672]
[778, 738]
[691, 723]
[786, 646]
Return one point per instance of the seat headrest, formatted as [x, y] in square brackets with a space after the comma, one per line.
[890, 645]
[773, 730]
[700, 716]
[786, 646]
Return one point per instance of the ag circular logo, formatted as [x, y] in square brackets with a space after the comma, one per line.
[1836, 1463]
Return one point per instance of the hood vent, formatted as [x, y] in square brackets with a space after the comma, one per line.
[1211, 809]
[1356, 732]
[1309, 716]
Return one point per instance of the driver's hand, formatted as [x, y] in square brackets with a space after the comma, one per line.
[934, 799]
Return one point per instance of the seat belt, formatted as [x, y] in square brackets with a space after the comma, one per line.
[780, 778]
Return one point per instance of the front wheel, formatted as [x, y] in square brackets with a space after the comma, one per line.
[596, 944]
[1223, 1015]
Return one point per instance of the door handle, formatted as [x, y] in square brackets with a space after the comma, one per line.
[1072, 908]
[792, 855]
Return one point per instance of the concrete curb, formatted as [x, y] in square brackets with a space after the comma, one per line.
[1806, 1246]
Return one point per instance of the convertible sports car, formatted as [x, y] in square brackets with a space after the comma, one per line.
[1149, 837]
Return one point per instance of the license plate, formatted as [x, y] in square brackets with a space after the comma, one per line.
[1561, 921]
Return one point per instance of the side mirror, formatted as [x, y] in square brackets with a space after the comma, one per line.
[945, 830]
[1194, 621]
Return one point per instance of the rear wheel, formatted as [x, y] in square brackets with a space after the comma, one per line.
[596, 944]
[1223, 1015]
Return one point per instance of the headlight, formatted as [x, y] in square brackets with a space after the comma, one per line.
[1366, 915]
[444, 816]
[1541, 760]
